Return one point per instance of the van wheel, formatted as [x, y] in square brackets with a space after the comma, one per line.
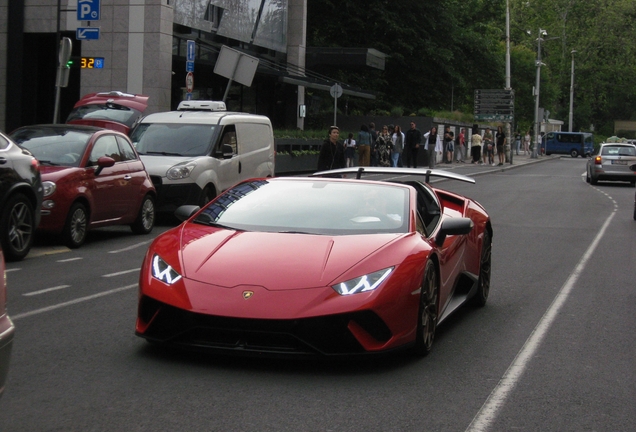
[207, 194]
[574, 153]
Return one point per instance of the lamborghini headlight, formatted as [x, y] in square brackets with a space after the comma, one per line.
[163, 271]
[368, 282]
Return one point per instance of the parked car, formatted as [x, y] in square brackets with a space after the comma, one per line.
[92, 177]
[20, 199]
[317, 265]
[611, 162]
[111, 110]
[568, 143]
[633, 168]
[7, 329]
[201, 149]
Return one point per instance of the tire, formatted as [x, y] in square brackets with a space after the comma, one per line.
[146, 218]
[485, 266]
[76, 226]
[18, 227]
[207, 194]
[587, 176]
[593, 180]
[574, 153]
[427, 314]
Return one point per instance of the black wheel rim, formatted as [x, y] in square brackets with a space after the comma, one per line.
[20, 227]
[484, 268]
[429, 308]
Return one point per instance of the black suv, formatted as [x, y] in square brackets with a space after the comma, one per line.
[20, 199]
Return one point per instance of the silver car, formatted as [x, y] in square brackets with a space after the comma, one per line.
[6, 328]
[612, 162]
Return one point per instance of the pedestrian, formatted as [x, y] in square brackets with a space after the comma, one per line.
[364, 146]
[517, 142]
[461, 146]
[398, 145]
[501, 145]
[374, 140]
[332, 151]
[448, 139]
[475, 146]
[489, 151]
[383, 146]
[412, 140]
[432, 145]
[526, 143]
[350, 150]
[450, 148]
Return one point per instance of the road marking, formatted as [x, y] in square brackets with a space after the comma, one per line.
[121, 272]
[32, 293]
[497, 398]
[12, 270]
[70, 259]
[135, 246]
[72, 302]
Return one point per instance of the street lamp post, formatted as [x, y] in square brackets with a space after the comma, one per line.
[537, 121]
[571, 95]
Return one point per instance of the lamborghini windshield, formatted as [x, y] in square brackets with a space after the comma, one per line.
[311, 206]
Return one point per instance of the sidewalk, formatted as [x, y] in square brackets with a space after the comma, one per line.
[470, 169]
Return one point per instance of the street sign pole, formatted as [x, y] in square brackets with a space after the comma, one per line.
[64, 54]
[336, 92]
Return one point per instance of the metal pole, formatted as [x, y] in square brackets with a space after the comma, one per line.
[335, 109]
[508, 125]
[537, 124]
[571, 95]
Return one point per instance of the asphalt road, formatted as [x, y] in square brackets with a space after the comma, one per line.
[552, 351]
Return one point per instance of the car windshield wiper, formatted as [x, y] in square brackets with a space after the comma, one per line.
[202, 221]
[163, 153]
[46, 162]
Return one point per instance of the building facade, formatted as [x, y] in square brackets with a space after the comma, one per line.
[143, 44]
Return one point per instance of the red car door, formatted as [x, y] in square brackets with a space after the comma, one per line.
[111, 190]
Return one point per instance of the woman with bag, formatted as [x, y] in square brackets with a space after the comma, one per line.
[398, 145]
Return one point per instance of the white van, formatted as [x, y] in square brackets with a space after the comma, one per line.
[201, 149]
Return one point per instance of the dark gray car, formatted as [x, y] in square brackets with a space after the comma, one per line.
[20, 199]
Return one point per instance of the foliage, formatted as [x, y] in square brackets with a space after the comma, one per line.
[441, 51]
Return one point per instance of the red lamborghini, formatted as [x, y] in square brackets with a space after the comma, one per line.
[317, 265]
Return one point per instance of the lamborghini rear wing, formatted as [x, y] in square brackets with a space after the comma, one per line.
[426, 172]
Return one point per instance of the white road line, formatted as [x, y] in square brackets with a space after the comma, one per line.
[121, 272]
[72, 302]
[32, 293]
[135, 246]
[70, 259]
[12, 270]
[497, 398]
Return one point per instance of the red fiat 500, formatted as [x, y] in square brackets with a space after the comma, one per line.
[92, 177]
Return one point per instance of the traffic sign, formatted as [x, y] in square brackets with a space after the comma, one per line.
[190, 50]
[87, 33]
[189, 82]
[88, 10]
[335, 91]
[494, 105]
[189, 66]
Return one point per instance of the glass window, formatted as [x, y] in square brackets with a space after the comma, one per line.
[311, 206]
[173, 139]
[105, 146]
[127, 152]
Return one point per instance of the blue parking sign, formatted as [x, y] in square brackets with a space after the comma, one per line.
[88, 10]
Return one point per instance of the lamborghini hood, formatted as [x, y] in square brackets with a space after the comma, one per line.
[275, 261]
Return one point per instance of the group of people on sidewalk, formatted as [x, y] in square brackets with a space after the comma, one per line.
[392, 147]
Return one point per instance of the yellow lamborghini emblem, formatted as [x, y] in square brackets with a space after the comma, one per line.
[247, 294]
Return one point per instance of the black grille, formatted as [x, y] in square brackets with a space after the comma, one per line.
[309, 336]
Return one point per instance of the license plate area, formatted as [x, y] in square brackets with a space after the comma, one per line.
[619, 162]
